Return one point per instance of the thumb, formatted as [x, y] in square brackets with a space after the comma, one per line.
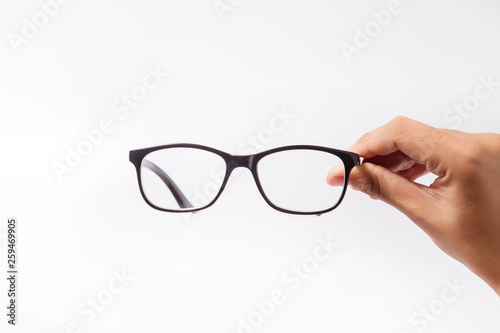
[410, 198]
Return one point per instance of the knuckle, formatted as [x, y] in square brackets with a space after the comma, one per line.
[365, 137]
[474, 155]
[400, 126]
[476, 149]
[366, 186]
[401, 122]
[375, 188]
[369, 184]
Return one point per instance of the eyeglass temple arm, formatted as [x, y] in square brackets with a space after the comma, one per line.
[172, 186]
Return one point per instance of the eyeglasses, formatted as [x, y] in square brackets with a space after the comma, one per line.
[188, 177]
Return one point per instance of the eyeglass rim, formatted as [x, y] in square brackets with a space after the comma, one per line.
[349, 159]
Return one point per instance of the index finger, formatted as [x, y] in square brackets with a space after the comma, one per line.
[423, 143]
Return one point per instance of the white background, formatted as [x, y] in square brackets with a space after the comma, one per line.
[203, 272]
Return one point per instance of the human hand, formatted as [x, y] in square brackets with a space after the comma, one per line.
[460, 211]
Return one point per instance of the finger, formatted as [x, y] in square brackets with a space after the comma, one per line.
[380, 183]
[336, 176]
[396, 161]
[418, 141]
[415, 172]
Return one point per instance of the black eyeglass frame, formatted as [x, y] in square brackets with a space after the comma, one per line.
[136, 157]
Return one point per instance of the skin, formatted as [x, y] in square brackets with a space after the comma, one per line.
[460, 211]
